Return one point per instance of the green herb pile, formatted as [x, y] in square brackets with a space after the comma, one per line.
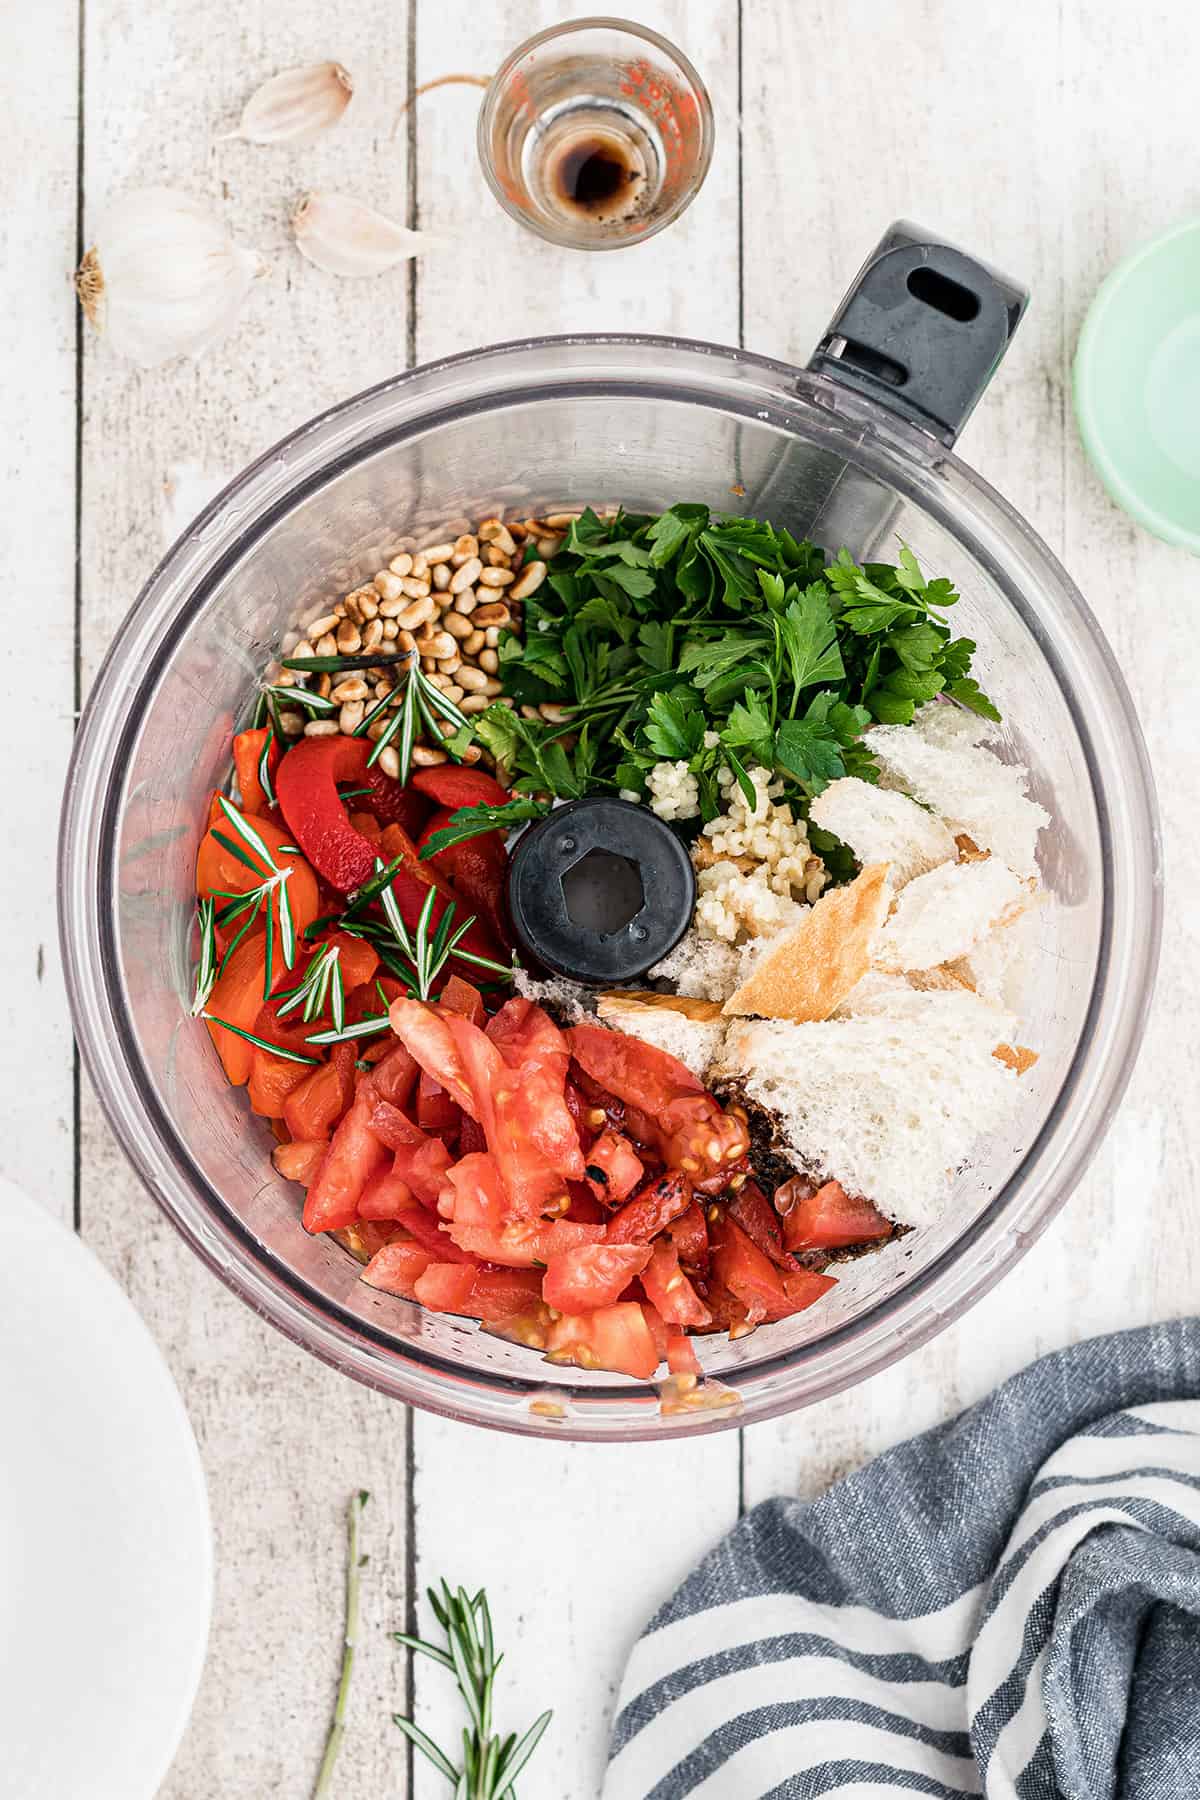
[713, 642]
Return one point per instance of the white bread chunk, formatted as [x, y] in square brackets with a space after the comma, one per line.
[806, 973]
[1001, 967]
[883, 825]
[947, 913]
[708, 968]
[939, 761]
[694, 1037]
[888, 1103]
[564, 1000]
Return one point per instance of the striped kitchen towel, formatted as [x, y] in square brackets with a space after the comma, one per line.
[1007, 1606]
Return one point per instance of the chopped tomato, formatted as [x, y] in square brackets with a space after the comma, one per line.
[316, 813]
[247, 755]
[689, 1234]
[741, 1267]
[425, 1227]
[751, 1209]
[471, 1139]
[800, 1288]
[533, 1046]
[520, 1245]
[505, 1296]
[447, 1287]
[386, 1196]
[591, 1275]
[459, 996]
[394, 1077]
[421, 1161]
[452, 786]
[584, 1207]
[300, 1160]
[437, 1113]
[668, 1288]
[396, 1269]
[354, 1155]
[319, 1099]
[220, 870]
[237, 1000]
[425, 1031]
[828, 1218]
[613, 1168]
[691, 1130]
[612, 1337]
[477, 870]
[643, 1217]
[368, 1236]
[472, 1192]
[681, 1354]
[505, 1106]
[657, 1327]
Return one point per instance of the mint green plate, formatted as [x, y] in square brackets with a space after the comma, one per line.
[1137, 385]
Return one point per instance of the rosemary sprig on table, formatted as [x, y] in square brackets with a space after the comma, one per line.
[355, 1563]
[490, 1764]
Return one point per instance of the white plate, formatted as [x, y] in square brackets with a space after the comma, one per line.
[105, 1543]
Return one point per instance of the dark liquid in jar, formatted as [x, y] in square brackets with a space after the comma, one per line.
[592, 174]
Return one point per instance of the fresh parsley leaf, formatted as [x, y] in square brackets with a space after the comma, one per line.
[810, 639]
[918, 646]
[749, 728]
[656, 641]
[742, 778]
[705, 660]
[672, 530]
[969, 694]
[675, 725]
[808, 750]
[890, 709]
[473, 821]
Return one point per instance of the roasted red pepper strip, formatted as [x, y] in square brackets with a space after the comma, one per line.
[247, 754]
[315, 812]
[412, 882]
[453, 787]
[477, 870]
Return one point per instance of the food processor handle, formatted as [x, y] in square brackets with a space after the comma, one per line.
[921, 330]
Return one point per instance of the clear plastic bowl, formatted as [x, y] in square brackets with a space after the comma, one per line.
[534, 427]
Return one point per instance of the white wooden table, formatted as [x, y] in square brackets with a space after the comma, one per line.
[1048, 135]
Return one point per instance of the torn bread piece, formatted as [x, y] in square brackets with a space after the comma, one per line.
[689, 1029]
[938, 760]
[883, 825]
[947, 913]
[806, 971]
[888, 1104]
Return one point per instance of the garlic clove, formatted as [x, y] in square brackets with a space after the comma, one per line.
[163, 277]
[344, 237]
[296, 106]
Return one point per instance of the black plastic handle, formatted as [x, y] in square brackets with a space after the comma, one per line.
[922, 329]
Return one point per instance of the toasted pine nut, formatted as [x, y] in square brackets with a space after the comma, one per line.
[382, 687]
[474, 644]
[427, 758]
[350, 717]
[389, 629]
[493, 686]
[465, 574]
[465, 548]
[441, 576]
[368, 606]
[420, 566]
[322, 728]
[303, 648]
[455, 693]
[372, 633]
[492, 636]
[474, 703]
[414, 587]
[442, 644]
[429, 665]
[376, 729]
[561, 521]
[318, 628]
[400, 565]
[291, 724]
[473, 679]
[388, 586]
[405, 639]
[448, 664]
[285, 678]
[324, 686]
[529, 580]
[553, 714]
[497, 578]
[439, 552]
[348, 638]
[494, 613]
[389, 761]
[549, 546]
[326, 645]
[353, 688]
[494, 558]
[456, 625]
[467, 601]
[490, 661]
[419, 613]
[498, 535]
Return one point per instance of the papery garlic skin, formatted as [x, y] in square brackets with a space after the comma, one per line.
[344, 237]
[296, 106]
[163, 277]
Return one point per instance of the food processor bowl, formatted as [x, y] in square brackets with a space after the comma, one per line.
[534, 427]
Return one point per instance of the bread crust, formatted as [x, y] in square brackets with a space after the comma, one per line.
[628, 1002]
[809, 970]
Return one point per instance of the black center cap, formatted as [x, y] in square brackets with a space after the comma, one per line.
[600, 891]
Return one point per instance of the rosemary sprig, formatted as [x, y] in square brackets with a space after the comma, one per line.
[260, 1043]
[206, 969]
[372, 1026]
[490, 1764]
[264, 767]
[305, 698]
[355, 1562]
[260, 896]
[420, 702]
[322, 983]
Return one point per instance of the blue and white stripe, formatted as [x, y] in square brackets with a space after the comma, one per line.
[1008, 1606]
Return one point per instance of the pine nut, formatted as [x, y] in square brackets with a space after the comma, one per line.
[475, 703]
[494, 558]
[387, 586]
[389, 608]
[473, 679]
[465, 574]
[530, 580]
[285, 678]
[465, 549]
[442, 644]
[472, 753]
[492, 636]
[429, 665]
[389, 629]
[441, 576]
[414, 588]
[368, 606]
[322, 728]
[490, 661]
[455, 693]
[497, 578]
[553, 714]
[467, 601]
[350, 717]
[561, 521]
[494, 613]
[372, 634]
[324, 686]
[348, 638]
[318, 628]
[493, 686]
[420, 566]
[325, 645]
[389, 761]
[448, 664]
[493, 532]
[353, 688]
[549, 546]
[382, 687]
[376, 730]
[427, 758]
[406, 640]
[400, 565]
[352, 608]
[456, 625]
[291, 724]
[438, 553]
[303, 648]
[419, 613]
[288, 642]
[474, 644]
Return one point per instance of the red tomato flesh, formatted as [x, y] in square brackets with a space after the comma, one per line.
[612, 1337]
[591, 1275]
[830, 1218]
[668, 1288]
[643, 1217]
[613, 1168]
[354, 1155]
[300, 1160]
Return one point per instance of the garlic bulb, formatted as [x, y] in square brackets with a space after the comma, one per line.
[296, 106]
[344, 237]
[163, 278]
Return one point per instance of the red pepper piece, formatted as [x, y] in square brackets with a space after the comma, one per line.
[412, 882]
[452, 786]
[316, 813]
[477, 870]
[247, 754]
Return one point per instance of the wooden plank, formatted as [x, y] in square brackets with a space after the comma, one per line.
[1054, 201]
[284, 1440]
[39, 87]
[494, 1510]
